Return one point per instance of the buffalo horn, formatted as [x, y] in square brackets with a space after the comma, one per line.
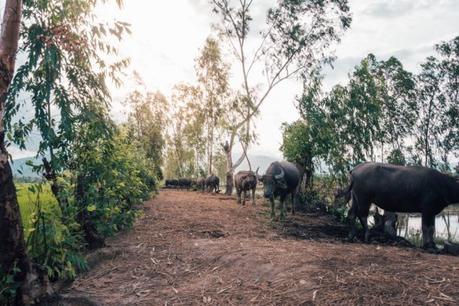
[280, 175]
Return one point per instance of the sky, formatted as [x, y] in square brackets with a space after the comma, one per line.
[167, 35]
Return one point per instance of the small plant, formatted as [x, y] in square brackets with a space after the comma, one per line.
[8, 286]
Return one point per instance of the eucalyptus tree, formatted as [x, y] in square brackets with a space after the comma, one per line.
[437, 92]
[147, 122]
[302, 139]
[346, 125]
[296, 38]
[431, 101]
[186, 139]
[449, 69]
[397, 95]
[363, 111]
[63, 78]
[212, 75]
[195, 131]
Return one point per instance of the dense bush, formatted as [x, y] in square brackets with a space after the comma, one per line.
[115, 175]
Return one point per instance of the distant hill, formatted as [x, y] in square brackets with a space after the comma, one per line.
[20, 168]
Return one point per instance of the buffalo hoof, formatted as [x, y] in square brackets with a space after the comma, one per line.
[430, 247]
[351, 236]
[367, 237]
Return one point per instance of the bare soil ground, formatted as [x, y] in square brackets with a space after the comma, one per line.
[192, 248]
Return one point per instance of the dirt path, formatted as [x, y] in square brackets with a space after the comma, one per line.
[193, 248]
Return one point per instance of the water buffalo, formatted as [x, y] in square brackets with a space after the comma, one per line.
[184, 183]
[245, 181]
[411, 189]
[172, 183]
[281, 179]
[200, 184]
[213, 183]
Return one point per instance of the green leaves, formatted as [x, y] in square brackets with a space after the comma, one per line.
[437, 92]
[64, 75]
[380, 114]
[91, 208]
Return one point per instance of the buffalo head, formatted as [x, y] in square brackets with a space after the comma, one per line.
[271, 182]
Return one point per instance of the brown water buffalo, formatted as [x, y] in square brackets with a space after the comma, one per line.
[281, 179]
[200, 184]
[411, 189]
[245, 181]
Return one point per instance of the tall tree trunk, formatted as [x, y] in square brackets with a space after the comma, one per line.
[230, 167]
[12, 247]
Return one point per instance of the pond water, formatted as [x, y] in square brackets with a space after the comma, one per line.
[446, 226]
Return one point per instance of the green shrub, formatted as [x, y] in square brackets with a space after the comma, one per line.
[54, 241]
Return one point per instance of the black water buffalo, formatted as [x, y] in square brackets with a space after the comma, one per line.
[172, 183]
[200, 184]
[213, 183]
[245, 181]
[184, 183]
[412, 189]
[281, 179]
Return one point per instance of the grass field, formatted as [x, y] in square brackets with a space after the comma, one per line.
[28, 201]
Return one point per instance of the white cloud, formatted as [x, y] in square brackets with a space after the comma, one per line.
[167, 36]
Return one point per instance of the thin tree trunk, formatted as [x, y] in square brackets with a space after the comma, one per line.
[426, 134]
[230, 167]
[227, 148]
[247, 140]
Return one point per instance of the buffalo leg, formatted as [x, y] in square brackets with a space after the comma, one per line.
[361, 206]
[362, 212]
[390, 223]
[238, 191]
[273, 212]
[293, 203]
[244, 195]
[283, 209]
[253, 196]
[364, 222]
[428, 231]
[351, 215]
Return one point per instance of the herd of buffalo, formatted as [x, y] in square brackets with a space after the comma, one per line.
[404, 189]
